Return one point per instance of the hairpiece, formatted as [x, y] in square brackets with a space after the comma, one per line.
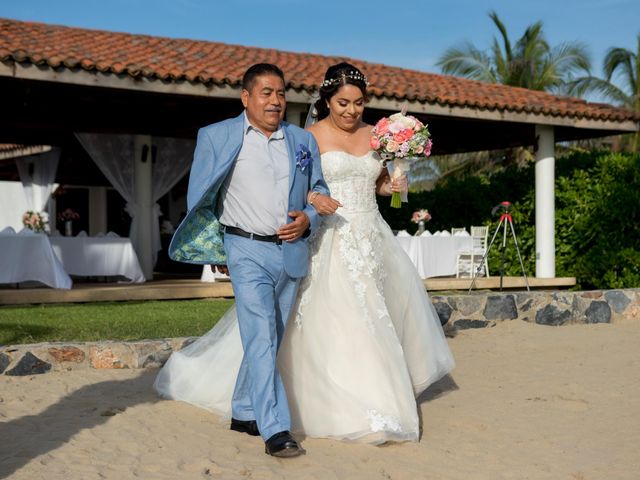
[352, 74]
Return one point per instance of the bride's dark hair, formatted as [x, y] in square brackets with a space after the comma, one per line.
[337, 76]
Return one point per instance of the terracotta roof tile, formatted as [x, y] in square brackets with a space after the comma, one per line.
[219, 63]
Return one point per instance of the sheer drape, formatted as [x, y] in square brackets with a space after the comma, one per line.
[115, 157]
[37, 174]
[172, 161]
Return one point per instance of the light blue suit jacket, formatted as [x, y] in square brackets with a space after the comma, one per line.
[198, 239]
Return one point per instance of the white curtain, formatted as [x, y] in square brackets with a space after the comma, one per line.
[172, 161]
[115, 157]
[37, 174]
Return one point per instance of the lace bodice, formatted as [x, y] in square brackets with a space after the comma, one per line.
[352, 179]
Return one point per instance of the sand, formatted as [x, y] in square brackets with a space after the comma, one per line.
[525, 402]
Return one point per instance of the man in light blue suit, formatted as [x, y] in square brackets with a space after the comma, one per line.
[249, 214]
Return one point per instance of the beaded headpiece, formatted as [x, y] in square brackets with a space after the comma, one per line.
[352, 74]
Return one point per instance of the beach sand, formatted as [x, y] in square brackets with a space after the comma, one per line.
[524, 402]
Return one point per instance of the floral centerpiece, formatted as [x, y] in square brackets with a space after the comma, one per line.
[400, 138]
[421, 215]
[68, 214]
[35, 221]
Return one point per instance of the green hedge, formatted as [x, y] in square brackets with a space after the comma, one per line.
[597, 215]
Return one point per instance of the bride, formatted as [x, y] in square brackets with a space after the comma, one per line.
[364, 339]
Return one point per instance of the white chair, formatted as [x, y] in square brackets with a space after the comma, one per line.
[468, 261]
[455, 230]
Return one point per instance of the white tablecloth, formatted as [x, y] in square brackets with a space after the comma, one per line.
[29, 257]
[208, 275]
[434, 256]
[98, 257]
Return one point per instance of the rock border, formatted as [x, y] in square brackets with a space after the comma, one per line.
[462, 311]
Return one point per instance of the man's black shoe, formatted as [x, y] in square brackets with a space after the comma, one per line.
[282, 445]
[245, 426]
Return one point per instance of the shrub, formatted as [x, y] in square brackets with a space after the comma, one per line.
[597, 215]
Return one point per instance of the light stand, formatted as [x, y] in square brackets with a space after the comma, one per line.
[505, 220]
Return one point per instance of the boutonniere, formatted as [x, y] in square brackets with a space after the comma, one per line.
[303, 157]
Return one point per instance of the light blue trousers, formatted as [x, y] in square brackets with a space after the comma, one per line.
[264, 297]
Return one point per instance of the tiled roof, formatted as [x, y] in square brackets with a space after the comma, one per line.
[204, 62]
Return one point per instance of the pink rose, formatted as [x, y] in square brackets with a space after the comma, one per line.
[382, 126]
[419, 149]
[374, 143]
[403, 135]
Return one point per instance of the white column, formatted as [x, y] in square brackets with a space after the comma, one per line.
[97, 210]
[545, 203]
[294, 113]
[143, 200]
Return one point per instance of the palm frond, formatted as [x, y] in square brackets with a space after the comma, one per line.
[503, 32]
[500, 62]
[569, 58]
[590, 84]
[467, 61]
[619, 60]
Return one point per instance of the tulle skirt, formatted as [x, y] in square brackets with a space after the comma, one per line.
[363, 341]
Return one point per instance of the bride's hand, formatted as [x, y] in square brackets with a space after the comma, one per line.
[324, 204]
[400, 184]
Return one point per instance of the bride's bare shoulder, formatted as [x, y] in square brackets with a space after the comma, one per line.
[318, 129]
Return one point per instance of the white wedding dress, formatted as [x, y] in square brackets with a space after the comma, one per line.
[363, 340]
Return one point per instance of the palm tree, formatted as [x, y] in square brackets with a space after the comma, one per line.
[531, 63]
[623, 64]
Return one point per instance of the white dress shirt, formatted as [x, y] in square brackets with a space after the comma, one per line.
[255, 194]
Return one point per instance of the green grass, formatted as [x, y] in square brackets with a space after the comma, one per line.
[109, 321]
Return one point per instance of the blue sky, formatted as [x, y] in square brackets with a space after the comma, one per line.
[407, 33]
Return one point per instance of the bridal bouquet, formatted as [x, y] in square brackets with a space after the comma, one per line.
[34, 221]
[400, 138]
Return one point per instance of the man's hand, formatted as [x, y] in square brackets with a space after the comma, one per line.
[323, 204]
[220, 268]
[294, 230]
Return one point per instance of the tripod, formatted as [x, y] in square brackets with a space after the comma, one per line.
[505, 220]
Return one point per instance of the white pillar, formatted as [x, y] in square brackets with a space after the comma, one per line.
[97, 210]
[294, 113]
[545, 203]
[143, 200]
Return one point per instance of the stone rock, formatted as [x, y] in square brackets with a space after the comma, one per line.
[598, 312]
[552, 315]
[67, 354]
[465, 323]
[527, 305]
[5, 360]
[104, 357]
[153, 361]
[29, 364]
[594, 294]
[444, 311]
[579, 308]
[618, 300]
[467, 305]
[500, 308]
[563, 297]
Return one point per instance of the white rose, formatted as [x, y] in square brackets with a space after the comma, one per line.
[392, 146]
